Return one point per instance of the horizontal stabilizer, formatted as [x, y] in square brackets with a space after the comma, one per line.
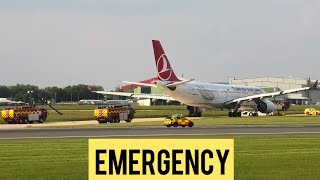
[175, 84]
[140, 84]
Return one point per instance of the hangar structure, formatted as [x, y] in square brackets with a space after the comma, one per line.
[272, 84]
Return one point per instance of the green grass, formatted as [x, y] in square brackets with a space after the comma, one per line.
[256, 157]
[85, 112]
[295, 108]
[91, 107]
[299, 108]
[277, 157]
[217, 121]
[44, 159]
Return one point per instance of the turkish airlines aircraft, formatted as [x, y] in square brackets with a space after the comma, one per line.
[199, 95]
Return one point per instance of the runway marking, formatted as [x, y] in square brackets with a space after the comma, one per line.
[158, 135]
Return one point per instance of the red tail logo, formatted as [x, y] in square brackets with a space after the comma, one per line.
[165, 72]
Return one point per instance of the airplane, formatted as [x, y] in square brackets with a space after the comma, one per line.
[6, 101]
[198, 96]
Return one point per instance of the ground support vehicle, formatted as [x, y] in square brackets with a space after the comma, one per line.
[255, 113]
[113, 113]
[24, 115]
[177, 120]
[311, 111]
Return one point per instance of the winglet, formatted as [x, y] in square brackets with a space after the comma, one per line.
[315, 85]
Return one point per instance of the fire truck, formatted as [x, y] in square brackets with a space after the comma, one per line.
[24, 115]
[113, 113]
[27, 114]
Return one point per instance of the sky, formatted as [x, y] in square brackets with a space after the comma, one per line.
[101, 42]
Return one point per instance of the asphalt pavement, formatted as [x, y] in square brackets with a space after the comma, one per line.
[127, 132]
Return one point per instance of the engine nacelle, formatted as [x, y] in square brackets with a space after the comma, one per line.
[265, 106]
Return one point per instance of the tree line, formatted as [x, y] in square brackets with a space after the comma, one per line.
[70, 93]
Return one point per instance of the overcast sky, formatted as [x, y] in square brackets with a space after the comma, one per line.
[60, 43]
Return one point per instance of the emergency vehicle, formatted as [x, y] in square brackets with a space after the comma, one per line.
[27, 114]
[177, 120]
[311, 111]
[24, 115]
[113, 113]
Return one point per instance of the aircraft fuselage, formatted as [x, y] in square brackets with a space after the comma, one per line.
[208, 95]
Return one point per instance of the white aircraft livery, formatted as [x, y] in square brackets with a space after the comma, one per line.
[199, 96]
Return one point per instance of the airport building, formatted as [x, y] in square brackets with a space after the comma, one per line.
[272, 84]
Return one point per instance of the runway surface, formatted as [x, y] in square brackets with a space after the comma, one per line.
[70, 123]
[112, 132]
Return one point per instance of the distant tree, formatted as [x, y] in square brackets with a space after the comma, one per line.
[75, 92]
[5, 92]
[20, 91]
[54, 92]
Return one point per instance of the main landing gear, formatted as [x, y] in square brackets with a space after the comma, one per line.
[194, 111]
[234, 114]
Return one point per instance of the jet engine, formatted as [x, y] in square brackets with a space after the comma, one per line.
[265, 106]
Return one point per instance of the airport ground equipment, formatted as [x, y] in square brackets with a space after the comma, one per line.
[27, 114]
[311, 111]
[255, 113]
[113, 113]
[44, 101]
[281, 105]
[24, 115]
[177, 120]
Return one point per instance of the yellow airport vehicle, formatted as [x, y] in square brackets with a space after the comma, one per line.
[311, 111]
[177, 120]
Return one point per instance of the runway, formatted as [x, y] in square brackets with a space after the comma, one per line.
[116, 132]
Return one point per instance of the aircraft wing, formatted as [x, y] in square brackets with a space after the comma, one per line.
[137, 95]
[267, 95]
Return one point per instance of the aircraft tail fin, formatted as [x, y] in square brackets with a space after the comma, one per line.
[165, 71]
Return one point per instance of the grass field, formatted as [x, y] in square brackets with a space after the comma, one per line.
[85, 112]
[256, 157]
[164, 107]
[217, 121]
